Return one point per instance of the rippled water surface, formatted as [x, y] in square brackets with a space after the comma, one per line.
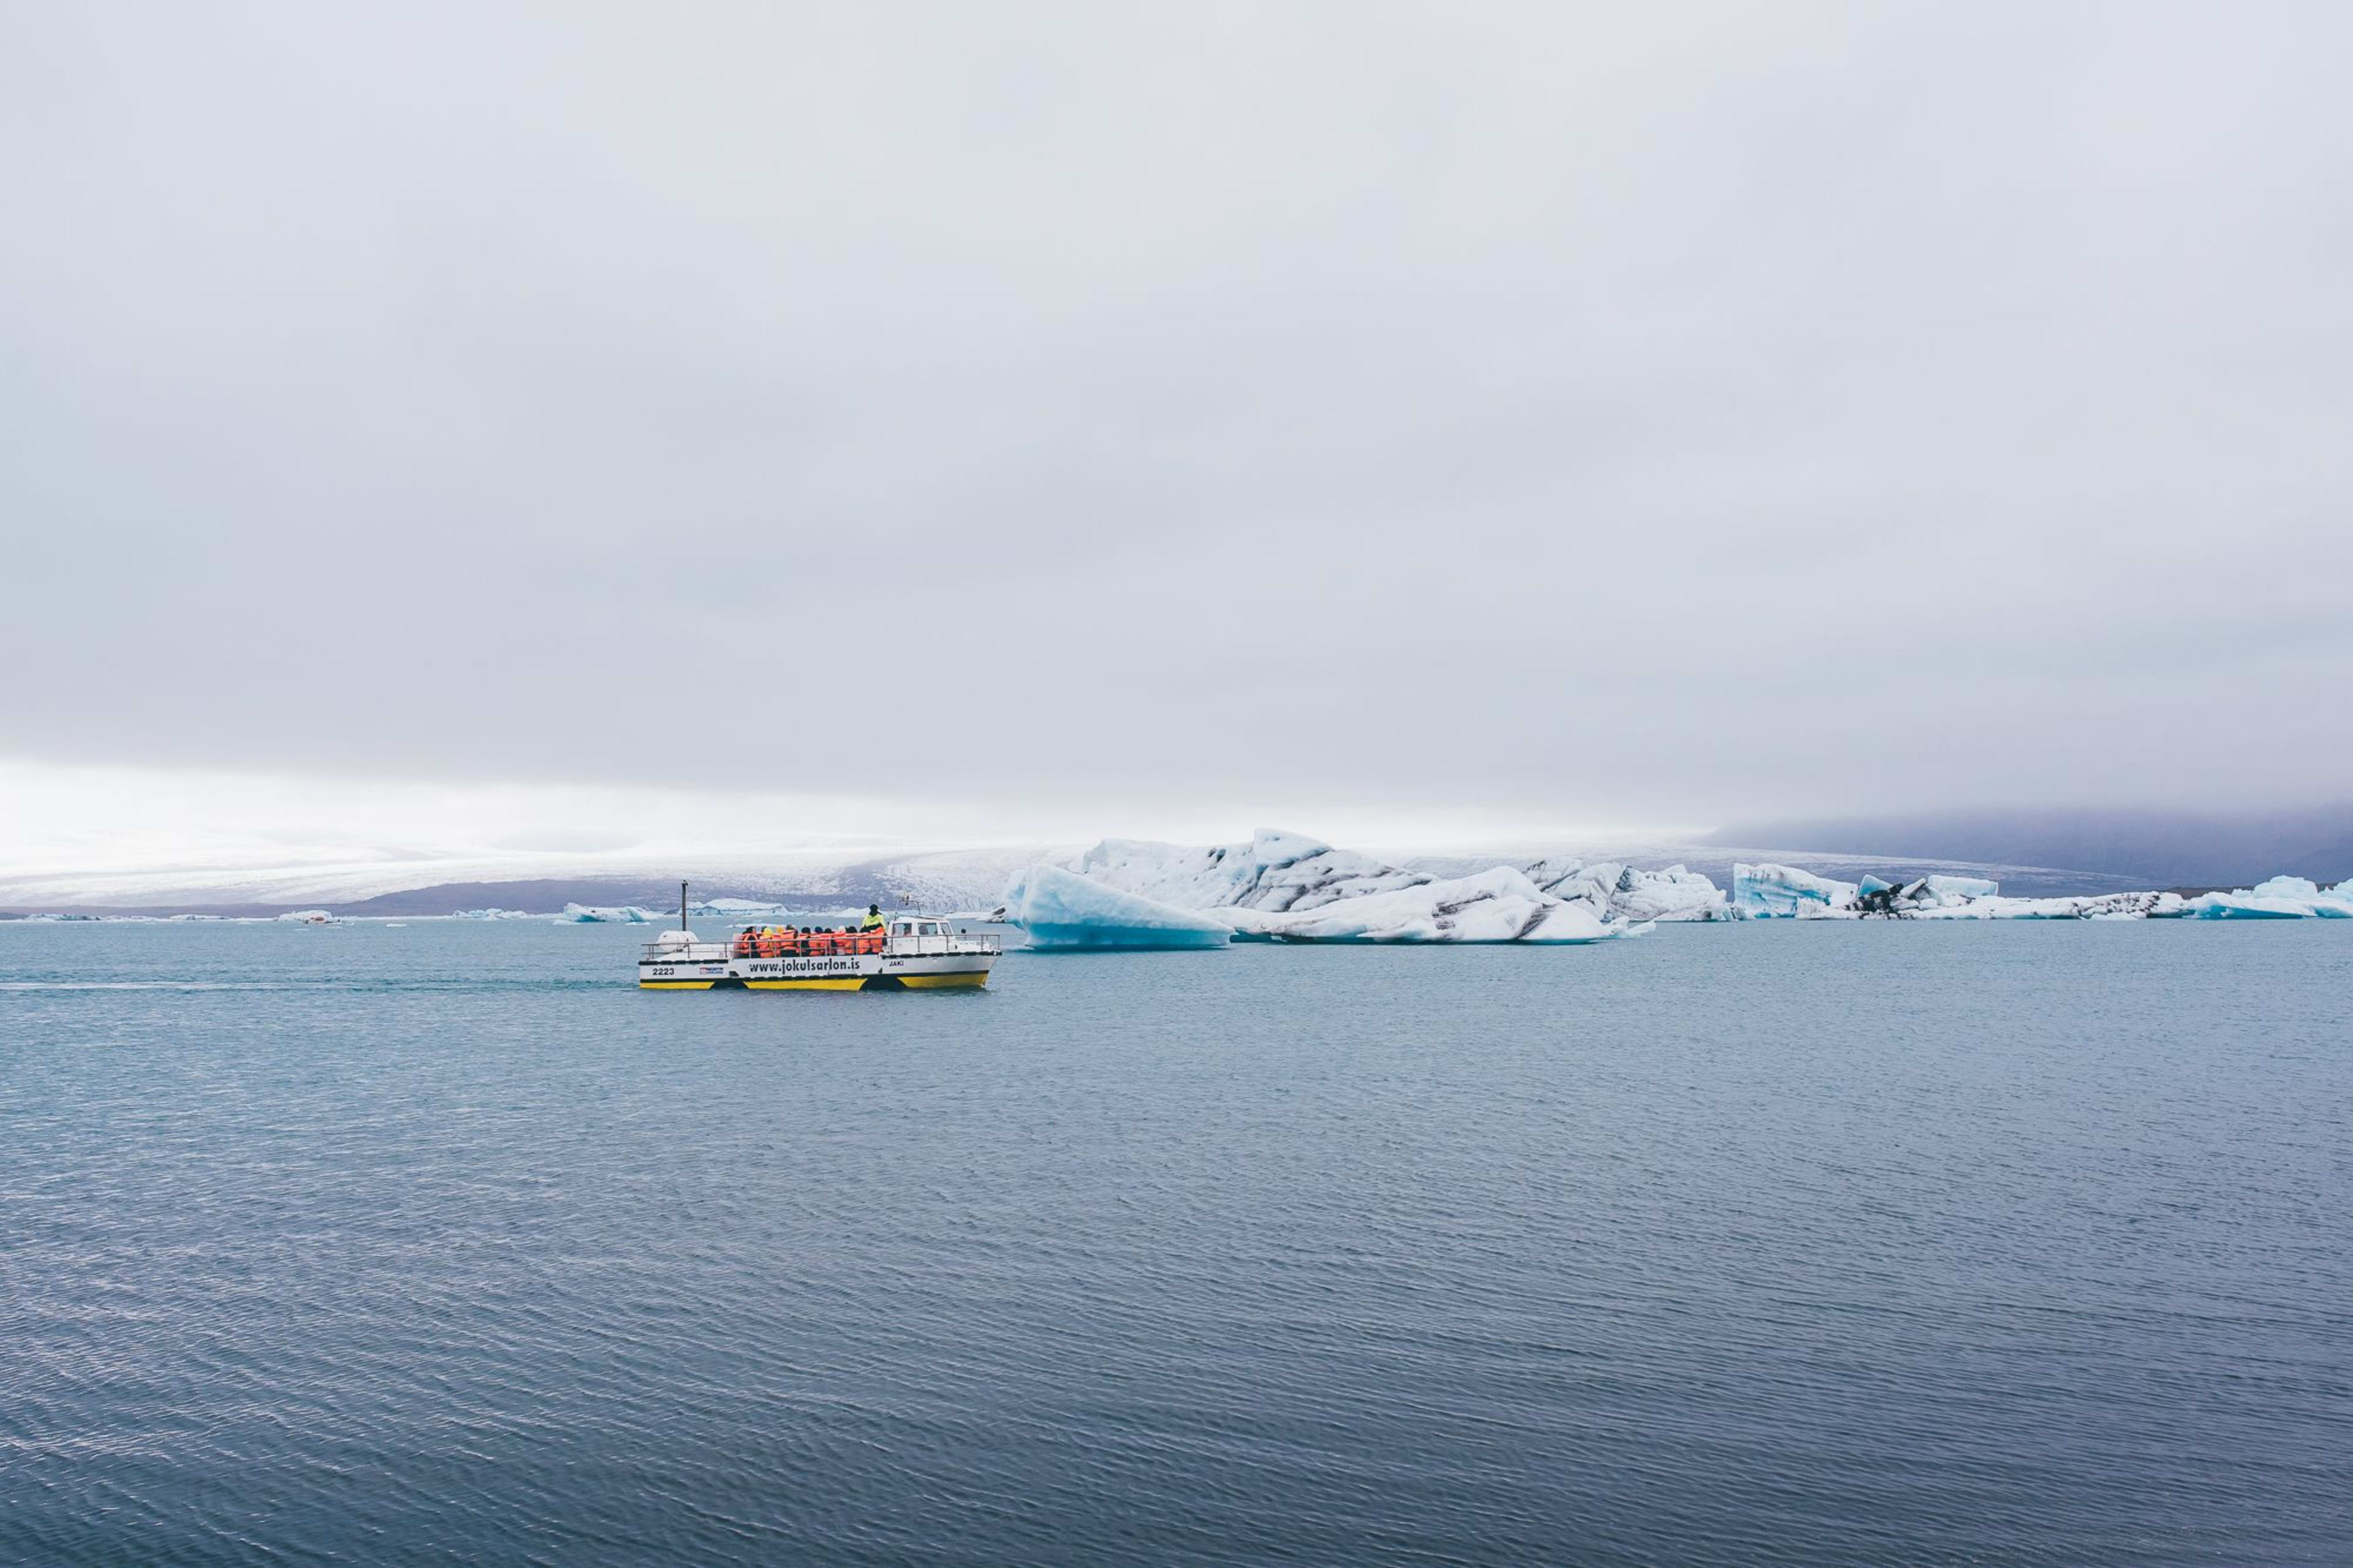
[1769, 1244]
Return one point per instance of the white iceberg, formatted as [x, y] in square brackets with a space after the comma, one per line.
[596, 914]
[1784, 892]
[2280, 898]
[1879, 898]
[1764, 892]
[2081, 907]
[1497, 905]
[738, 909]
[1275, 870]
[1946, 887]
[1617, 891]
[1280, 872]
[1287, 887]
[307, 918]
[1063, 910]
[492, 913]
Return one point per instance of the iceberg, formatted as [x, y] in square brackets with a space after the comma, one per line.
[1282, 886]
[1877, 898]
[1784, 892]
[2280, 898]
[1494, 906]
[2083, 907]
[1951, 887]
[595, 914]
[1617, 891]
[1063, 910]
[742, 909]
[1282, 872]
[1287, 886]
[1765, 892]
[1275, 870]
[492, 913]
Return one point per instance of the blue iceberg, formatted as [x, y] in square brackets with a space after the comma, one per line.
[2280, 898]
[600, 915]
[1782, 893]
[1063, 912]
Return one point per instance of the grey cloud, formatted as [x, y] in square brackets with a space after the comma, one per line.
[1684, 411]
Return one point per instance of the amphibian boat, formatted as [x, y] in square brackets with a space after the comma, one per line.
[908, 952]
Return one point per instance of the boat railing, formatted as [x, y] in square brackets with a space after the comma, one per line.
[686, 952]
[938, 946]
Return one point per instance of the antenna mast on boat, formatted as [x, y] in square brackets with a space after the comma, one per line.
[682, 906]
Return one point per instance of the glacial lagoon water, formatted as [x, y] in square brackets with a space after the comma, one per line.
[1769, 1244]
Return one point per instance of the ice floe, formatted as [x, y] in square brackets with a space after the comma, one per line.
[1060, 910]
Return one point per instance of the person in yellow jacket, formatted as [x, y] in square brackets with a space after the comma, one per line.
[874, 920]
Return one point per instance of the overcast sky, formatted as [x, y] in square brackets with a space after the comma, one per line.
[1627, 414]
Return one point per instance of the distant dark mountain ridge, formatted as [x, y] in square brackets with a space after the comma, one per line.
[540, 896]
[549, 894]
[2153, 847]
